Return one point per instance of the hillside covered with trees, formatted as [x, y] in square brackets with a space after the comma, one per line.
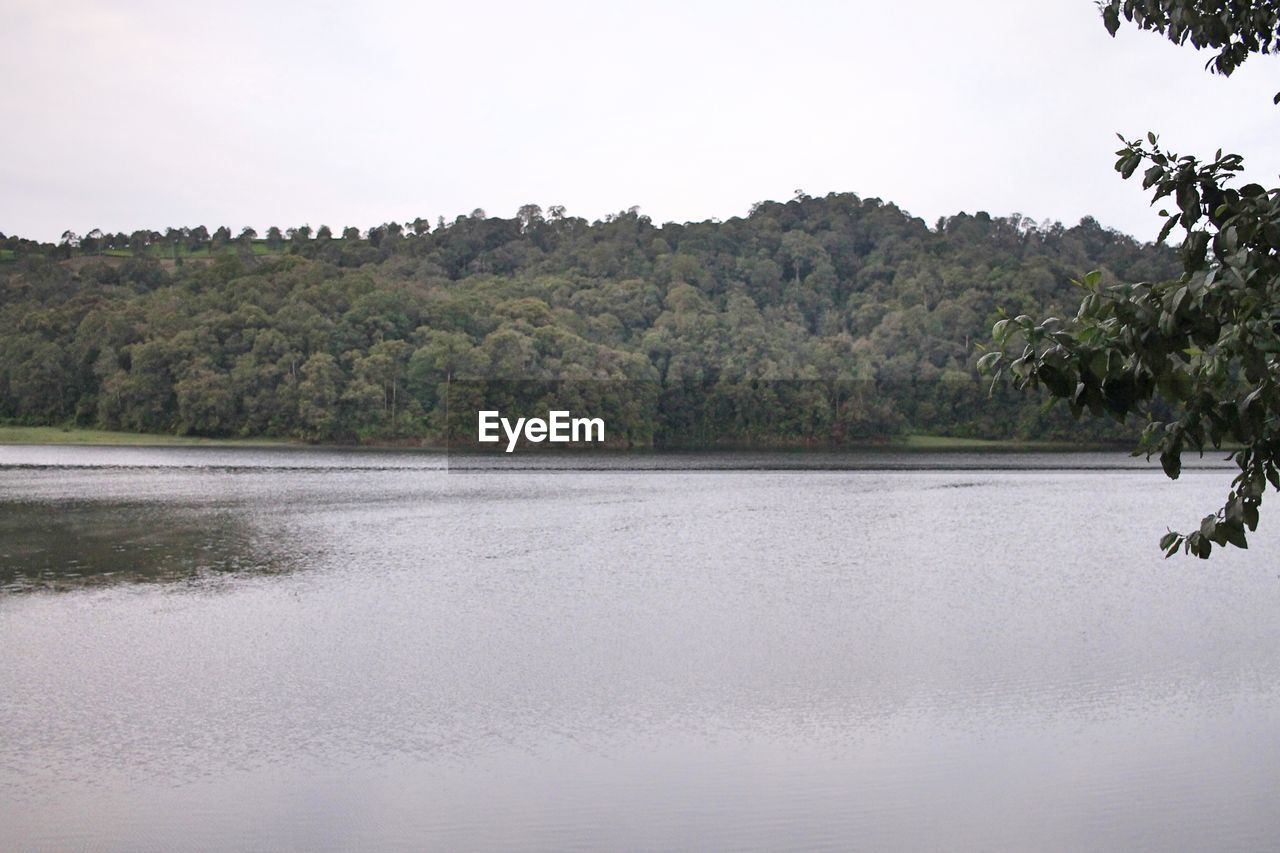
[810, 322]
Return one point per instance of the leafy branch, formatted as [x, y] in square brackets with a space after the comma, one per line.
[1196, 357]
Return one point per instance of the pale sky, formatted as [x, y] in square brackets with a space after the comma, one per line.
[126, 115]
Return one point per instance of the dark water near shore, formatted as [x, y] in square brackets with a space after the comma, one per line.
[291, 649]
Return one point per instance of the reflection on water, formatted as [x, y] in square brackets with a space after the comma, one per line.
[75, 543]
[627, 659]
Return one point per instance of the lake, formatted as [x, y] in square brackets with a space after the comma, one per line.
[205, 648]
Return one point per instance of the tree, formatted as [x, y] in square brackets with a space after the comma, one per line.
[197, 238]
[1198, 357]
[138, 242]
[205, 403]
[529, 216]
[1235, 29]
[176, 237]
[318, 394]
[386, 366]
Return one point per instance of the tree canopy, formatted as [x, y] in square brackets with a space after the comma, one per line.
[1234, 28]
[1197, 358]
[810, 322]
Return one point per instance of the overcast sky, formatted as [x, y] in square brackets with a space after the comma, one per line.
[125, 115]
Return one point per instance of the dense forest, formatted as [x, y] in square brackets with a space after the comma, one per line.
[814, 321]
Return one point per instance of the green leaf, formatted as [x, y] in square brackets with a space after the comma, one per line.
[1235, 535]
[1111, 20]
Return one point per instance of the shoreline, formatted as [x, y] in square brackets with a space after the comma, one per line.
[79, 436]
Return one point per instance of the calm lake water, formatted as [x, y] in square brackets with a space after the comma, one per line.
[294, 649]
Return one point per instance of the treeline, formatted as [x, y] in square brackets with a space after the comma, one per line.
[182, 242]
[815, 321]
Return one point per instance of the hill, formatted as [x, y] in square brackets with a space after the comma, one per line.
[814, 321]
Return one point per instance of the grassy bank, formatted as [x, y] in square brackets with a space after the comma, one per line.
[77, 435]
[943, 443]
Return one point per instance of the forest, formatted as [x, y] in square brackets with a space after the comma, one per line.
[819, 321]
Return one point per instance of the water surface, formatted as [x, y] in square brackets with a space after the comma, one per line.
[294, 649]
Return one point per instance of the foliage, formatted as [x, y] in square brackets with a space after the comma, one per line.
[1234, 28]
[1196, 358]
[813, 322]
